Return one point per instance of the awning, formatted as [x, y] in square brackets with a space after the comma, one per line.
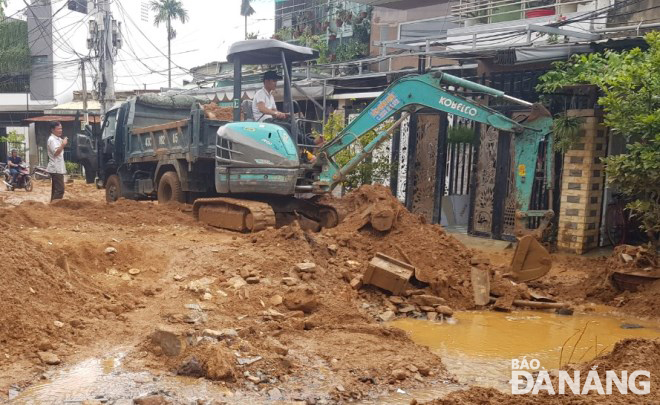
[225, 94]
[357, 96]
[62, 118]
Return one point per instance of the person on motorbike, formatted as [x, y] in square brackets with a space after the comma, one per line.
[13, 162]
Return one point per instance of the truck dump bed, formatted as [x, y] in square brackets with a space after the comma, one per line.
[172, 127]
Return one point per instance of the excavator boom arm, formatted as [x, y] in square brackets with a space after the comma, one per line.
[412, 93]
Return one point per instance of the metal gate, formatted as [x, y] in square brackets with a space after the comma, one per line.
[493, 197]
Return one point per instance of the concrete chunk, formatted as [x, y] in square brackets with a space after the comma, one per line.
[169, 340]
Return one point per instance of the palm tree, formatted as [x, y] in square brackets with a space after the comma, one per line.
[166, 11]
[246, 11]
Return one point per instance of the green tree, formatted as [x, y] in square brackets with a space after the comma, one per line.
[246, 11]
[166, 11]
[371, 169]
[629, 82]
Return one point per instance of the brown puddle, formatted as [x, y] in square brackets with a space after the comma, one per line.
[478, 346]
[103, 380]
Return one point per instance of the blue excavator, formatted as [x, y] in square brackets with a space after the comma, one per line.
[261, 172]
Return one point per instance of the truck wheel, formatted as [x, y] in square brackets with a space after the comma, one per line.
[112, 188]
[169, 189]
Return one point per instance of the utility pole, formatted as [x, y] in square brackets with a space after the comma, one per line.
[84, 89]
[105, 39]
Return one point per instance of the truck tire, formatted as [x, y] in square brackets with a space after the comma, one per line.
[112, 189]
[169, 189]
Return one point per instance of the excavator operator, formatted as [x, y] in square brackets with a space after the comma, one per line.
[264, 109]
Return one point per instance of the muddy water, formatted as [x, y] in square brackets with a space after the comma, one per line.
[478, 346]
[104, 380]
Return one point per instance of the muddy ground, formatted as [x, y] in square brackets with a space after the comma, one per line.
[279, 314]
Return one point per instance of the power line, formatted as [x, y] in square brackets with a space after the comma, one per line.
[128, 17]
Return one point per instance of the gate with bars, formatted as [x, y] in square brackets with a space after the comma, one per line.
[466, 184]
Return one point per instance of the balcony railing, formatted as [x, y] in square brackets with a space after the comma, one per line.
[473, 12]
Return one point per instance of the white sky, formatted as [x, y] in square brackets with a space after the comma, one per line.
[212, 27]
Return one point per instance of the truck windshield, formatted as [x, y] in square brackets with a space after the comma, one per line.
[110, 125]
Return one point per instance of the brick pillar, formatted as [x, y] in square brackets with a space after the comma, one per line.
[582, 186]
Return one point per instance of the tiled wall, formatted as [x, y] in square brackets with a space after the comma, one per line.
[582, 186]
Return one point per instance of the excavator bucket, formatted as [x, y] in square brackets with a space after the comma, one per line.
[530, 261]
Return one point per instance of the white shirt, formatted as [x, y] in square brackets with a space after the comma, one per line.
[263, 96]
[55, 163]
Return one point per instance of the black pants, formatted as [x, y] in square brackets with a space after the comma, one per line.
[57, 190]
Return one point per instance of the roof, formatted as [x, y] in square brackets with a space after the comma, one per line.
[78, 105]
[62, 118]
[226, 93]
[268, 52]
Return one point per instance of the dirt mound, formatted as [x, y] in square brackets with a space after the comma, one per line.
[439, 258]
[628, 354]
[122, 213]
[597, 286]
[46, 300]
[629, 258]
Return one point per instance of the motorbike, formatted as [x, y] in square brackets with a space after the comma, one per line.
[40, 173]
[23, 180]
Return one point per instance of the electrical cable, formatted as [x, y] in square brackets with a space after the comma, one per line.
[128, 17]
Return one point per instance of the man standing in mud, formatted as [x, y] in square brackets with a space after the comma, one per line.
[56, 167]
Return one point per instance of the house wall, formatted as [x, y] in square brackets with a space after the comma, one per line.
[643, 11]
[40, 40]
[385, 26]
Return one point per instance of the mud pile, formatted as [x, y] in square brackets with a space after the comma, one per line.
[46, 301]
[440, 260]
[60, 284]
[628, 355]
[598, 285]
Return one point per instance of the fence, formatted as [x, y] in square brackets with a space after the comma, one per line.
[459, 166]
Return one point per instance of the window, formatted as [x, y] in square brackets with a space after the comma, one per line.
[144, 11]
[473, 12]
[39, 60]
[110, 125]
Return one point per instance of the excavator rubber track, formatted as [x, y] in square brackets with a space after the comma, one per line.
[234, 214]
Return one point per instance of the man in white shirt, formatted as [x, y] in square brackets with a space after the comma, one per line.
[263, 104]
[56, 166]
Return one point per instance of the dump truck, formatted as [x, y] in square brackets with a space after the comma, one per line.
[157, 147]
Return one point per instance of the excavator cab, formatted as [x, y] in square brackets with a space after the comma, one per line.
[258, 165]
[260, 157]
